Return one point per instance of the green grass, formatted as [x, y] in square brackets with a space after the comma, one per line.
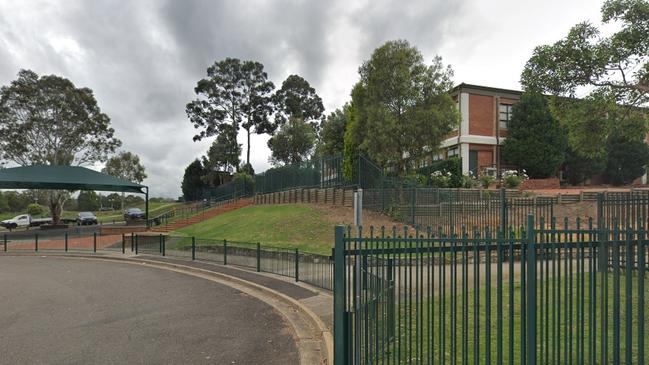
[418, 324]
[291, 226]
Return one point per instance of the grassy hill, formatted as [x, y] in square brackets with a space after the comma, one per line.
[305, 227]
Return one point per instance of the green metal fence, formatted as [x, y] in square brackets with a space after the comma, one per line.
[310, 268]
[543, 293]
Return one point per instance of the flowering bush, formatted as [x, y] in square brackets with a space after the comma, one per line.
[512, 178]
[487, 180]
[468, 181]
[440, 179]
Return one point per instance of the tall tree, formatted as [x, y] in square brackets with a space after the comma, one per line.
[405, 103]
[535, 140]
[617, 64]
[234, 93]
[297, 99]
[192, 184]
[88, 201]
[332, 132]
[293, 143]
[48, 120]
[127, 166]
[222, 158]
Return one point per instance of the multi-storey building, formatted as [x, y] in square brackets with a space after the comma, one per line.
[485, 112]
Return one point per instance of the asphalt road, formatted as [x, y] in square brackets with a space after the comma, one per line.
[71, 311]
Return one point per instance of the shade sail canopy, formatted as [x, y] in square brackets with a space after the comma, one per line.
[64, 178]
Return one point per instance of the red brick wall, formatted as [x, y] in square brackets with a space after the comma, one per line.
[551, 183]
[481, 114]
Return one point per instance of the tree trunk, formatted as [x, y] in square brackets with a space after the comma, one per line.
[55, 203]
[248, 152]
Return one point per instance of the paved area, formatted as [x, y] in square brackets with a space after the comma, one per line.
[75, 311]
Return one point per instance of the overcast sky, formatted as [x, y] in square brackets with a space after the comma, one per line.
[143, 58]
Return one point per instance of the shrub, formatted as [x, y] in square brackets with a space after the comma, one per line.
[34, 209]
[486, 181]
[468, 182]
[512, 178]
[244, 183]
[440, 179]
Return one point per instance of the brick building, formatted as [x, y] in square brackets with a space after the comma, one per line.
[485, 112]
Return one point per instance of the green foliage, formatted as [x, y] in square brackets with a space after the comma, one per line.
[415, 179]
[88, 201]
[512, 179]
[244, 182]
[293, 143]
[404, 103]
[192, 184]
[247, 169]
[297, 99]
[4, 205]
[535, 140]
[35, 210]
[133, 200]
[17, 202]
[222, 158]
[33, 106]
[355, 131]
[440, 179]
[616, 64]
[627, 159]
[580, 168]
[235, 93]
[332, 133]
[486, 181]
[451, 167]
[127, 166]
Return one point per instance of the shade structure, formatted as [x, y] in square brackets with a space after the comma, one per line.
[67, 178]
[64, 178]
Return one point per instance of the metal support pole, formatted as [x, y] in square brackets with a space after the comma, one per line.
[297, 265]
[340, 340]
[225, 252]
[258, 257]
[160, 243]
[132, 242]
[5, 242]
[531, 292]
[503, 212]
[136, 242]
[164, 246]
[193, 248]
[123, 244]
[66, 242]
[94, 241]
[36, 242]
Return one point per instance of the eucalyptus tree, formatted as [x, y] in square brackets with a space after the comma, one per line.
[126, 166]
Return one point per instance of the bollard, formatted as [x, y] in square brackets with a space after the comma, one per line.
[225, 252]
[258, 257]
[66, 242]
[160, 243]
[36, 242]
[297, 265]
[164, 243]
[193, 248]
[123, 244]
[132, 242]
[136, 241]
[94, 241]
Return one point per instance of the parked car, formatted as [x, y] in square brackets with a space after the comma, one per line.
[24, 220]
[134, 213]
[86, 218]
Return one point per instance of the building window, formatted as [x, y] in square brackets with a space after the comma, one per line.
[504, 115]
[453, 152]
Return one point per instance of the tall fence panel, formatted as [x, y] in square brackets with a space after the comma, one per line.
[550, 295]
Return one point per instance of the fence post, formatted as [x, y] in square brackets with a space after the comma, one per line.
[503, 212]
[123, 244]
[132, 242]
[258, 257]
[601, 233]
[36, 242]
[413, 203]
[66, 242]
[340, 337]
[164, 246]
[531, 292]
[136, 244]
[297, 265]
[94, 241]
[5, 242]
[225, 252]
[193, 248]
[160, 243]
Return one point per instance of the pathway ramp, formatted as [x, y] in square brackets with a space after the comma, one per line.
[202, 216]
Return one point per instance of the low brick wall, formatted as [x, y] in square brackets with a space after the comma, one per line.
[531, 184]
[330, 196]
